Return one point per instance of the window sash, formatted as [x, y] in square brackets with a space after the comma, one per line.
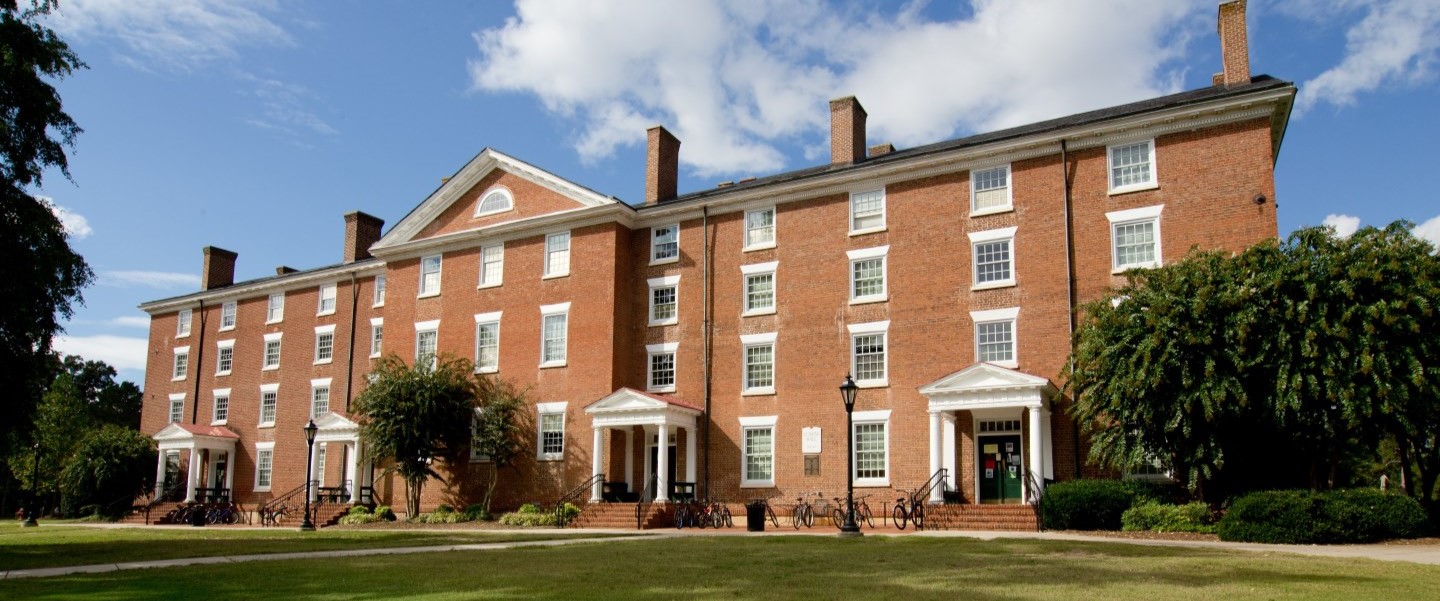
[1130, 165]
[182, 323]
[760, 366]
[992, 262]
[995, 341]
[662, 303]
[1135, 243]
[869, 351]
[324, 346]
[430, 275]
[759, 291]
[662, 370]
[264, 466]
[552, 434]
[380, 285]
[426, 344]
[494, 202]
[182, 366]
[871, 455]
[275, 310]
[665, 243]
[492, 265]
[227, 315]
[759, 454]
[319, 401]
[868, 278]
[327, 298]
[268, 399]
[272, 353]
[177, 409]
[867, 210]
[222, 408]
[377, 335]
[557, 254]
[759, 227]
[225, 360]
[487, 345]
[555, 338]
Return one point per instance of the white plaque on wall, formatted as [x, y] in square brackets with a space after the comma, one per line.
[810, 440]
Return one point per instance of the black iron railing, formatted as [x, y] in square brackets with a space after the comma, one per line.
[280, 508]
[642, 507]
[574, 495]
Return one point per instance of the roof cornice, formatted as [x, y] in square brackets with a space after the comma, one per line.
[511, 230]
[266, 285]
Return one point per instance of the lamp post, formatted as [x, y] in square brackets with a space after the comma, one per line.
[847, 393]
[310, 428]
[34, 490]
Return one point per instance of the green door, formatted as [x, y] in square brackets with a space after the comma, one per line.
[1000, 469]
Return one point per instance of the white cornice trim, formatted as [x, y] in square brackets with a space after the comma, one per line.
[304, 279]
[510, 230]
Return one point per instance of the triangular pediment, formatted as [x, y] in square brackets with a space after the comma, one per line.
[982, 377]
[627, 400]
[335, 421]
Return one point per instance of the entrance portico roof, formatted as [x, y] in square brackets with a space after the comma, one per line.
[988, 386]
[191, 436]
[333, 427]
[630, 407]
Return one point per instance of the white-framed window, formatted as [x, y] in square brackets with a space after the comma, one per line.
[759, 361]
[379, 291]
[377, 335]
[757, 451]
[555, 334]
[221, 412]
[992, 261]
[430, 275]
[869, 360]
[275, 308]
[867, 275]
[324, 344]
[867, 211]
[224, 357]
[427, 342]
[182, 323]
[990, 191]
[1135, 238]
[551, 437]
[494, 201]
[326, 306]
[227, 316]
[760, 229]
[492, 265]
[872, 448]
[319, 397]
[759, 287]
[487, 342]
[264, 465]
[1132, 166]
[269, 400]
[557, 254]
[665, 244]
[995, 336]
[177, 407]
[182, 363]
[320, 464]
[664, 300]
[660, 367]
[272, 351]
[476, 455]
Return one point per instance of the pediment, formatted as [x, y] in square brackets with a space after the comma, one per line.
[335, 421]
[984, 377]
[628, 400]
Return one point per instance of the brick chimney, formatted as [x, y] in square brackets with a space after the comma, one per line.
[662, 165]
[847, 131]
[881, 149]
[1234, 47]
[219, 268]
[361, 232]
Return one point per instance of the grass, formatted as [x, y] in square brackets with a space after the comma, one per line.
[55, 544]
[796, 567]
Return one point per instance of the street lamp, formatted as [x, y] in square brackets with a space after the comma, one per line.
[34, 490]
[310, 428]
[847, 393]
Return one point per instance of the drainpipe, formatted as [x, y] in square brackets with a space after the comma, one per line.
[1070, 299]
[705, 348]
[194, 367]
[350, 354]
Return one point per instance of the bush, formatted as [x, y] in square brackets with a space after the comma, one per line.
[384, 513]
[566, 513]
[1092, 504]
[359, 510]
[1155, 517]
[531, 518]
[110, 467]
[529, 508]
[477, 511]
[1333, 517]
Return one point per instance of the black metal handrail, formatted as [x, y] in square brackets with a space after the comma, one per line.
[275, 505]
[574, 495]
[168, 495]
[939, 478]
[642, 507]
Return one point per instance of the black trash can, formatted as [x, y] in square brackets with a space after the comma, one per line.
[197, 517]
[755, 516]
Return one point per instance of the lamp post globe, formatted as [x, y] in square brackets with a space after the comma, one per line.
[847, 393]
[34, 489]
[307, 525]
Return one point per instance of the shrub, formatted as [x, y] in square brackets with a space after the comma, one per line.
[529, 508]
[383, 512]
[109, 468]
[564, 514]
[1155, 517]
[359, 510]
[529, 514]
[1334, 517]
[1092, 504]
[477, 511]
[359, 518]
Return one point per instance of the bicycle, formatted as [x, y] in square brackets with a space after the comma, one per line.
[907, 508]
[862, 512]
[720, 515]
[770, 514]
[803, 514]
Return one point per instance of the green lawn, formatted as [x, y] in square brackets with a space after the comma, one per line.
[797, 567]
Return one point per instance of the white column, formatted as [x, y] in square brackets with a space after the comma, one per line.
[647, 432]
[1036, 465]
[310, 474]
[230, 472]
[160, 474]
[194, 475]
[692, 445]
[597, 463]
[629, 457]
[948, 448]
[937, 459]
[352, 466]
[662, 465]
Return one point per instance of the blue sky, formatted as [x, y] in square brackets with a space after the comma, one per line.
[255, 125]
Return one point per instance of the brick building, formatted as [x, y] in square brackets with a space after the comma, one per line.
[701, 338]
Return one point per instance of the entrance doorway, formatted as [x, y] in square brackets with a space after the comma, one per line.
[1000, 469]
[217, 470]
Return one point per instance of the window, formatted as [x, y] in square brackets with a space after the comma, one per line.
[377, 333]
[660, 368]
[759, 352]
[182, 323]
[990, 190]
[269, 397]
[477, 424]
[275, 310]
[495, 201]
[759, 287]
[664, 300]
[492, 265]
[760, 229]
[327, 300]
[319, 397]
[487, 342]
[995, 336]
[758, 451]
[1135, 236]
[665, 244]
[867, 211]
[272, 351]
[224, 357]
[379, 291]
[427, 342]
[177, 407]
[555, 326]
[222, 407]
[264, 465]
[872, 448]
[1132, 167]
[867, 274]
[182, 363]
[319, 465]
[430, 275]
[552, 431]
[227, 316]
[557, 255]
[992, 255]
[324, 344]
[868, 360]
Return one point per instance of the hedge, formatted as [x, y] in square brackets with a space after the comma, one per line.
[1333, 517]
[1155, 517]
[1092, 504]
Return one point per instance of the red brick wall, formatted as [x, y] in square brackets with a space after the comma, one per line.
[530, 200]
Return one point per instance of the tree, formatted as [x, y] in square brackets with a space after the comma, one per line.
[413, 415]
[110, 467]
[499, 423]
[61, 420]
[106, 401]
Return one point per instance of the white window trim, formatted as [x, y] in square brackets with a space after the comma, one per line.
[1012, 315]
[750, 340]
[420, 291]
[427, 326]
[665, 282]
[482, 319]
[179, 396]
[264, 388]
[757, 423]
[378, 299]
[264, 446]
[220, 344]
[188, 322]
[476, 457]
[668, 348]
[1131, 217]
[545, 311]
[269, 301]
[330, 329]
[317, 383]
[543, 409]
[667, 260]
[320, 299]
[884, 212]
[863, 254]
[987, 236]
[569, 253]
[272, 337]
[501, 190]
[376, 322]
[772, 268]
[1009, 192]
[480, 282]
[1110, 169]
[774, 229]
[235, 307]
[215, 397]
[180, 350]
[865, 329]
[872, 417]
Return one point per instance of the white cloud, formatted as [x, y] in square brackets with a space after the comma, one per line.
[119, 351]
[1430, 230]
[74, 223]
[1397, 43]
[130, 321]
[163, 280]
[1344, 225]
[179, 35]
[734, 79]
[284, 108]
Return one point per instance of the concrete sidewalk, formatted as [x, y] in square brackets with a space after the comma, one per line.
[1427, 554]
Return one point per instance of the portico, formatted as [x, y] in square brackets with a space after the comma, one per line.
[336, 429]
[660, 417]
[215, 444]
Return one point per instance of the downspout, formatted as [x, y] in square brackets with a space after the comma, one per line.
[194, 366]
[705, 348]
[1070, 299]
[350, 352]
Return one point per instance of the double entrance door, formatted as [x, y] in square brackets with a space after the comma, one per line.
[1000, 469]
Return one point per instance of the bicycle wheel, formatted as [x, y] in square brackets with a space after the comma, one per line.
[898, 515]
[725, 515]
[838, 516]
[917, 515]
[770, 513]
[809, 516]
[680, 518]
[864, 514]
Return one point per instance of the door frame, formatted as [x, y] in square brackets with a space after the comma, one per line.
[651, 443]
[993, 415]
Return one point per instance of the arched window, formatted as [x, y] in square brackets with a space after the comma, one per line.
[496, 201]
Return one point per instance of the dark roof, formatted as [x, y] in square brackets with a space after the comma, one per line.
[264, 280]
[1258, 83]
